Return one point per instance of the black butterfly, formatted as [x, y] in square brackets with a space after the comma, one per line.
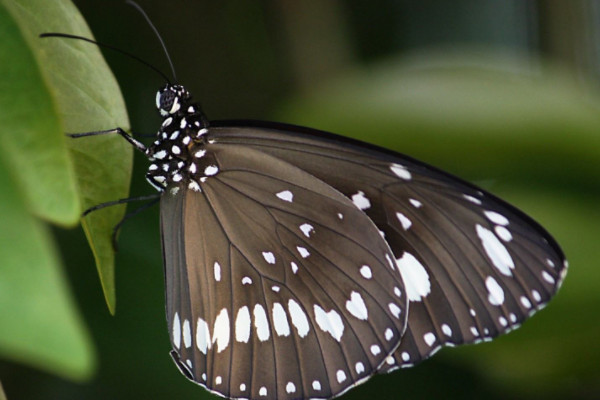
[299, 263]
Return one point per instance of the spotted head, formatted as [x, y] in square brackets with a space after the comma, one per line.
[171, 98]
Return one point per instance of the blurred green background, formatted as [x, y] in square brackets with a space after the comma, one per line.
[502, 93]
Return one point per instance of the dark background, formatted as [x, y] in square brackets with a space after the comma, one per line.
[266, 60]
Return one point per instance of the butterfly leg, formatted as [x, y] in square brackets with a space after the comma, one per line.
[134, 142]
[154, 199]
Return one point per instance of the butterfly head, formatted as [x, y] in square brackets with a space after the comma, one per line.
[171, 99]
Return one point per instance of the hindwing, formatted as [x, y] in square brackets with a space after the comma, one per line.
[277, 285]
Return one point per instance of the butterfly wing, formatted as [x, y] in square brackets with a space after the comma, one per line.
[277, 286]
[473, 266]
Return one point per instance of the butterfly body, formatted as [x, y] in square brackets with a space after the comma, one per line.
[299, 263]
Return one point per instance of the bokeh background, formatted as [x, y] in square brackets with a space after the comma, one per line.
[502, 93]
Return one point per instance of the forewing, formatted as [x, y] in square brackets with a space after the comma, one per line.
[473, 265]
[278, 286]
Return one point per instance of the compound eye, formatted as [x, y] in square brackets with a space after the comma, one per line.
[167, 100]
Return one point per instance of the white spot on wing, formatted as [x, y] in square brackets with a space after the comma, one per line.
[262, 391]
[366, 272]
[415, 203]
[217, 270]
[242, 325]
[525, 301]
[176, 331]
[218, 380]
[203, 342]
[415, 277]
[400, 171]
[246, 280]
[307, 229]
[429, 338]
[404, 221]
[375, 349]
[356, 306]
[359, 367]
[303, 252]
[405, 356]
[211, 170]
[221, 330]
[286, 195]
[389, 260]
[269, 257]
[316, 385]
[280, 322]
[360, 200]
[187, 334]
[299, 319]
[394, 309]
[446, 330]
[261, 323]
[472, 199]
[294, 267]
[548, 278]
[389, 334]
[193, 185]
[330, 322]
[290, 387]
[496, 293]
[340, 376]
[495, 250]
[503, 233]
[496, 218]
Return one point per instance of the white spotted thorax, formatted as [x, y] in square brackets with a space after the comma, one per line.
[177, 155]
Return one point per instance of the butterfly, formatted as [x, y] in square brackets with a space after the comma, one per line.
[299, 263]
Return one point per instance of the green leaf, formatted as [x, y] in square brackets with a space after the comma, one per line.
[86, 98]
[40, 323]
[32, 140]
[49, 87]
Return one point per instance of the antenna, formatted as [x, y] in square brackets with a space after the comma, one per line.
[107, 46]
[141, 11]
